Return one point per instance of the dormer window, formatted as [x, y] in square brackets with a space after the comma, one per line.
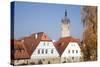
[45, 36]
[22, 50]
[62, 44]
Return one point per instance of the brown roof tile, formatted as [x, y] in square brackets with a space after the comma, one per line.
[19, 50]
[62, 43]
[31, 42]
[28, 44]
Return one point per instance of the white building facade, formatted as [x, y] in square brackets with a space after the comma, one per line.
[72, 53]
[45, 52]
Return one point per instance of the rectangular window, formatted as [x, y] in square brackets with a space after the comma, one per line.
[42, 51]
[72, 58]
[76, 51]
[72, 51]
[52, 51]
[68, 51]
[46, 51]
[38, 51]
[44, 43]
[48, 44]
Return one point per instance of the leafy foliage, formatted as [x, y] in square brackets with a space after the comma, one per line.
[89, 20]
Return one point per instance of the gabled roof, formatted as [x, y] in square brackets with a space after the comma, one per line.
[33, 41]
[19, 50]
[62, 43]
[24, 47]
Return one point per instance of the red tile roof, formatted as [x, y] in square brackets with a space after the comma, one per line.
[19, 50]
[29, 44]
[62, 43]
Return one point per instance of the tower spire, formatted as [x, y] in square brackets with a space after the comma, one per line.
[65, 23]
[65, 13]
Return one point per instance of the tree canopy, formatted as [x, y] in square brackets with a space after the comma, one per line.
[89, 20]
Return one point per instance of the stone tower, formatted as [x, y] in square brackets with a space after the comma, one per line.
[65, 24]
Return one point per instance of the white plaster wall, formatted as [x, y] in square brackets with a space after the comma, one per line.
[47, 46]
[65, 30]
[72, 46]
[68, 56]
[23, 61]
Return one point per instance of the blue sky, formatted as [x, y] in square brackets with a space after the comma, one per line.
[33, 17]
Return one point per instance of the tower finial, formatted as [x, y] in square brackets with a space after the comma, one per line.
[65, 13]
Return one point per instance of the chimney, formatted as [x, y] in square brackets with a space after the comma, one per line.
[36, 35]
[22, 41]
